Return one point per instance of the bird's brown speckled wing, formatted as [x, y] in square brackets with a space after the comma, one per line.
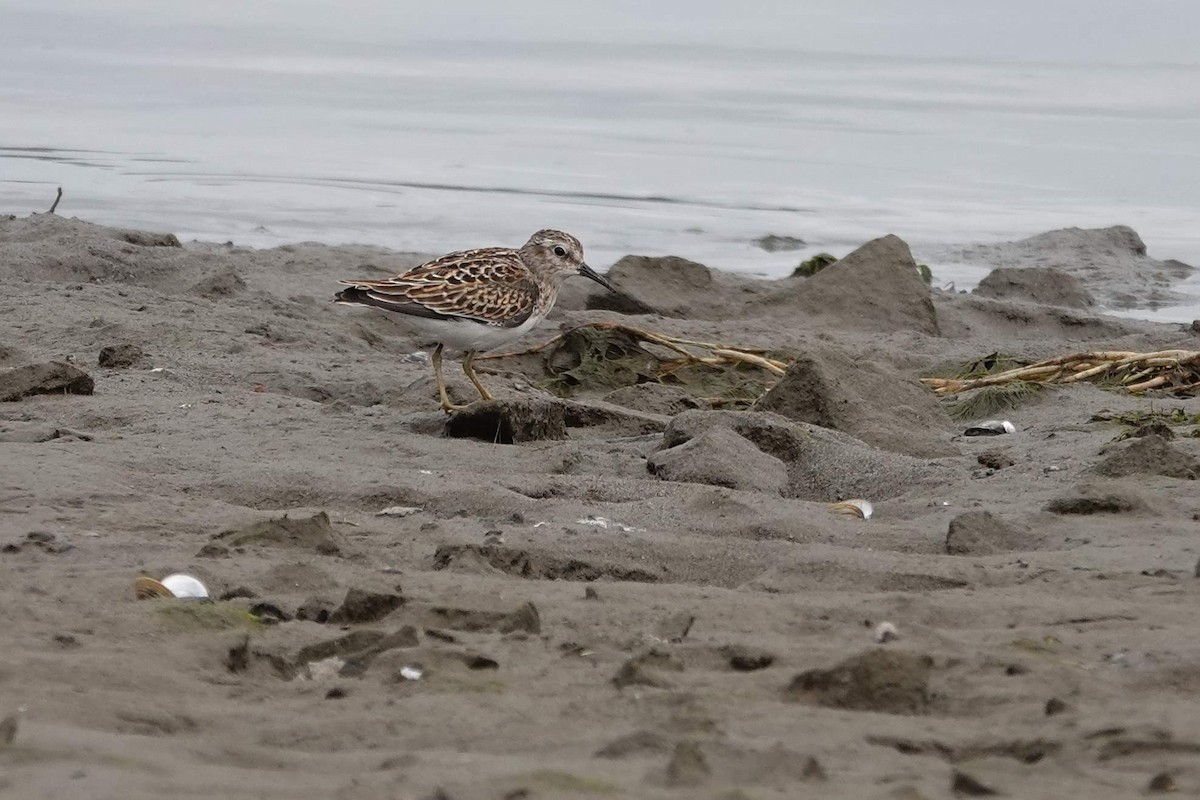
[490, 286]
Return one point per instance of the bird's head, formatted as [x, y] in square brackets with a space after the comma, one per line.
[560, 254]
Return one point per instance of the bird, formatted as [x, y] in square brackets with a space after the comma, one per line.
[476, 300]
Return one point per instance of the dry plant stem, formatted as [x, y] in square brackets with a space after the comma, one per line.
[664, 339]
[54, 205]
[1134, 370]
[738, 355]
[528, 352]
[1087, 373]
[1137, 376]
[1161, 380]
[660, 340]
[677, 340]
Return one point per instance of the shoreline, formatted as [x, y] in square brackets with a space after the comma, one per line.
[721, 239]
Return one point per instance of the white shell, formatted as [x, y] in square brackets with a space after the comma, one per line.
[855, 508]
[604, 523]
[410, 673]
[185, 586]
[398, 511]
[416, 357]
[885, 632]
[992, 427]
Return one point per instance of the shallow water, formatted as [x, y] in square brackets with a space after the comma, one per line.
[690, 132]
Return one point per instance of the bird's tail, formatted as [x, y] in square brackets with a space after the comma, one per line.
[351, 296]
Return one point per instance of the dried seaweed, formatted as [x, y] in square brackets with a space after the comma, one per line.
[811, 266]
[611, 355]
[1140, 422]
[992, 401]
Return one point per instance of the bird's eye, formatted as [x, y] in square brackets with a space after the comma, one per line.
[560, 251]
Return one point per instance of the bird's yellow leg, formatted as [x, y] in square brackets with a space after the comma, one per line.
[470, 372]
[436, 358]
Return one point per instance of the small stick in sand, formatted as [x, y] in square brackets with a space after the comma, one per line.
[54, 205]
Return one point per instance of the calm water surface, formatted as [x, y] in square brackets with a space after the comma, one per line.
[690, 129]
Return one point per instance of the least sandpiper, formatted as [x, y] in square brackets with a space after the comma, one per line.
[475, 300]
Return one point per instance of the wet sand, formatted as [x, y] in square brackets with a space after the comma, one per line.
[644, 596]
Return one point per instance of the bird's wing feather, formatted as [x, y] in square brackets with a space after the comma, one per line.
[490, 285]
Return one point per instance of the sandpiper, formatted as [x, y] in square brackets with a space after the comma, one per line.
[475, 300]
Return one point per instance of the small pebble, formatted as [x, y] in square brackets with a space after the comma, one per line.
[8, 730]
[1162, 782]
[1055, 706]
[963, 784]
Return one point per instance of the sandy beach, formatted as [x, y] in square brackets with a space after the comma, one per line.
[603, 584]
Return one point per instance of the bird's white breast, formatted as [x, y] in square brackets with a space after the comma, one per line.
[464, 335]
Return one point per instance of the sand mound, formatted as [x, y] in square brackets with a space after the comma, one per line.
[121, 356]
[55, 377]
[865, 399]
[1100, 499]
[224, 283]
[1148, 455]
[824, 575]
[982, 533]
[1044, 285]
[673, 287]
[47, 247]
[875, 288]
[821, 464]
[886, 681]
[964, 315]
[720, 457]
[492, 559]
[314, 534]
[654, 398]
[1113, 240]
[1110, 263]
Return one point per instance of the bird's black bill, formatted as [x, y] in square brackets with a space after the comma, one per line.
[588, 272]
